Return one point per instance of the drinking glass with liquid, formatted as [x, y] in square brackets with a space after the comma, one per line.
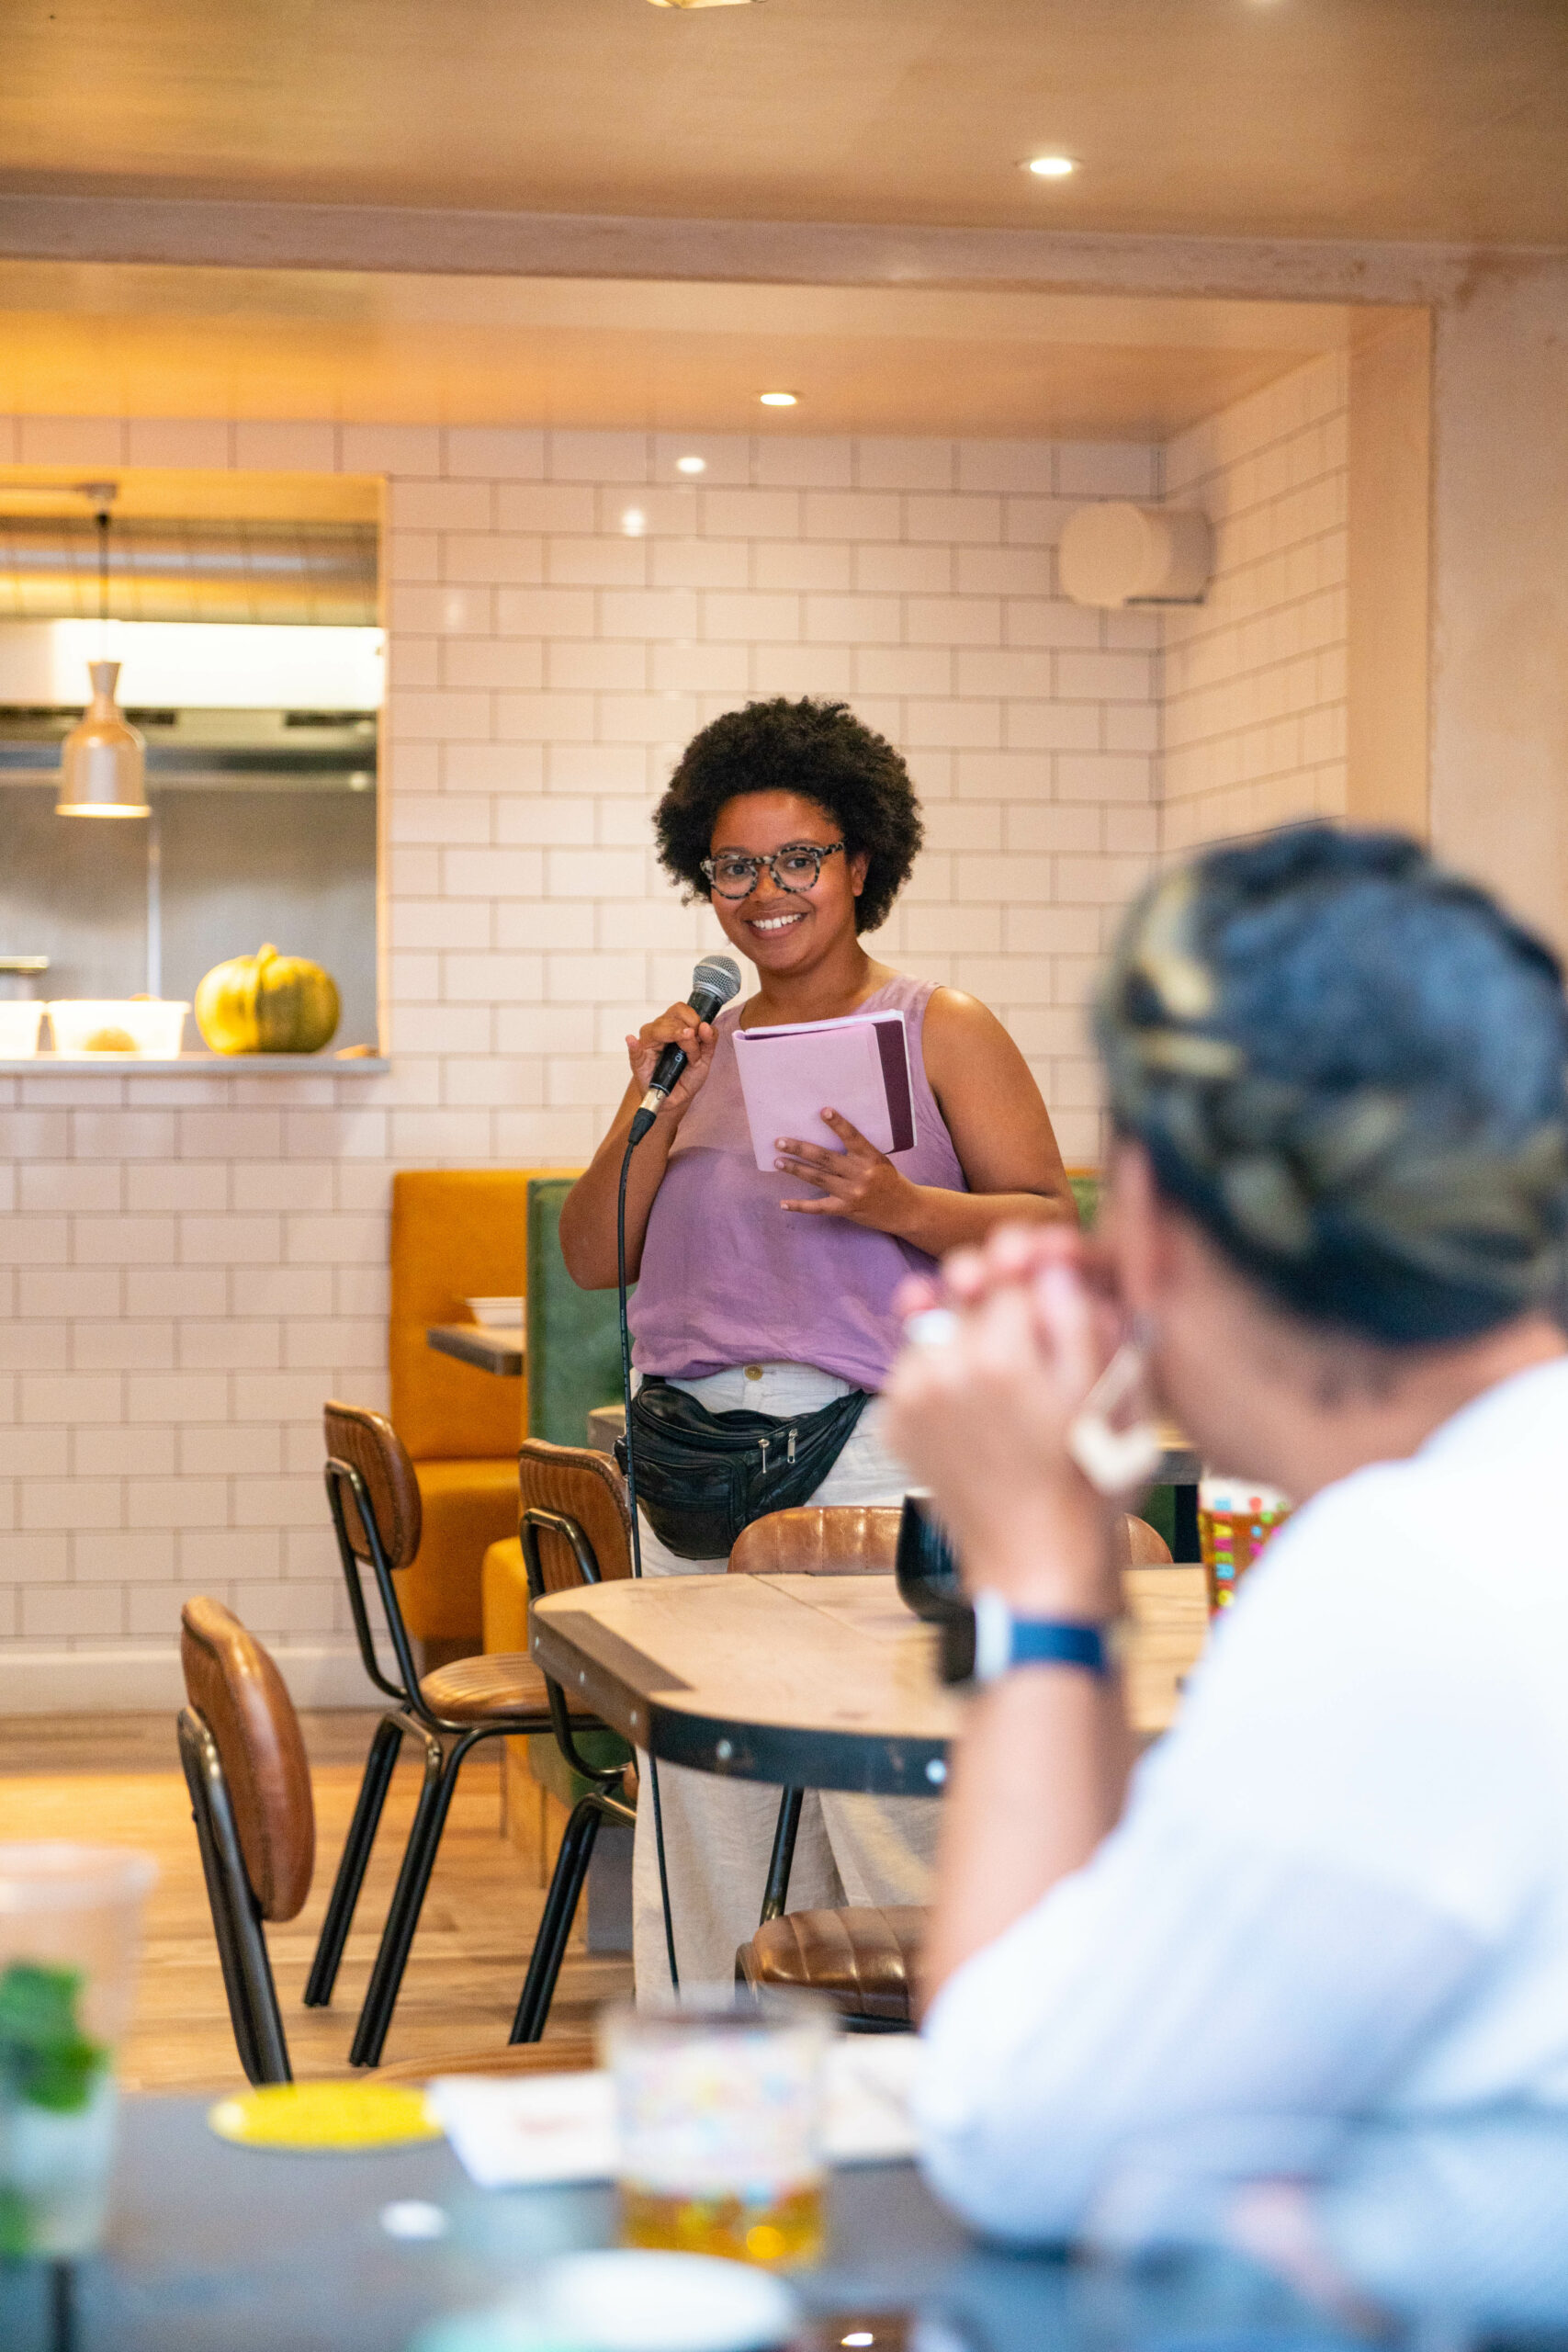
[70, 1925]
[720, 2111]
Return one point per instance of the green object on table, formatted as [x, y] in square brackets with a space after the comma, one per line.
[53, 2085]
[45, 2058]
[574, 1336]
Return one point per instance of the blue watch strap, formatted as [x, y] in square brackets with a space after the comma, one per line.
[1038, 1640]
[1002, 1641]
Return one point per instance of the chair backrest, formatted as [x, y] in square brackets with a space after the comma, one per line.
[1147, 1547]
[574, 1336]
[819, 1539]
[368, 1474]
[370, 1443]
[458, 1233]
[862, 1539]
[234, 1686]
[576, 1483]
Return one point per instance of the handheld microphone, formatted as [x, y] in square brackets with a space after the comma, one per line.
[715, 981]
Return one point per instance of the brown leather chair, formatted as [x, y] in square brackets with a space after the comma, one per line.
[375, 1503]
[863, 1958]
[250, 1788]
[820, 1540]
[575, 1529]
[250, 1792]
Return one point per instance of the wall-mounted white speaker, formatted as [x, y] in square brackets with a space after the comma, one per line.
[1116, 553]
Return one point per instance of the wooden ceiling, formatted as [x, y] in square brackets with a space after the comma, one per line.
[91, 341]
[1341, 118]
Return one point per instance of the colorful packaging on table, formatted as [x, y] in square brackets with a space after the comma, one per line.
[1236, 1519]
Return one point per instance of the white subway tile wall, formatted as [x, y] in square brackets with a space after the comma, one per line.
[188, 1267]
[1254, 708]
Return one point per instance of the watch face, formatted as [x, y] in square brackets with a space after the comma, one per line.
[956, 1651]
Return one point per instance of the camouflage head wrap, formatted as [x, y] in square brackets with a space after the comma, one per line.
[1365, 1184]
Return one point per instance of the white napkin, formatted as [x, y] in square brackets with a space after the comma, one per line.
[522, 2131]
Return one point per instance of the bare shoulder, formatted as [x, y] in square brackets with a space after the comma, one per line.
[957, 1024]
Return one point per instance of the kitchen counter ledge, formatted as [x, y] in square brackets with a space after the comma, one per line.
[193, 1066]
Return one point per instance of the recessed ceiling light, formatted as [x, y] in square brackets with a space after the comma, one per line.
[690, 465]
[1051, 168]
[634, 522]
[778, 400]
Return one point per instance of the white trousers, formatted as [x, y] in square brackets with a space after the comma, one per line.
[718, 1834]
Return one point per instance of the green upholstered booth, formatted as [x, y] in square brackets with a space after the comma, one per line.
[574, 1363]
[574, 1336]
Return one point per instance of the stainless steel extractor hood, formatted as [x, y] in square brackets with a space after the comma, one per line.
[236, 751]
[303, 573]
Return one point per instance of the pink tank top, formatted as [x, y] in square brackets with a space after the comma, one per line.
[728, 1277]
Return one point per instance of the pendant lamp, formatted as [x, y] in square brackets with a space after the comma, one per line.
[102, 761]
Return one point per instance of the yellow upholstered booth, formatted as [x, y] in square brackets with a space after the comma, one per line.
[456, 1234]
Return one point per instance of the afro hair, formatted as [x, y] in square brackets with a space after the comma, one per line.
[818, 749]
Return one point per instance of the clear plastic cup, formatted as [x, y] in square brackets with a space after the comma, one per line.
[720, 2111]
[1235, 1520]
[69, 1928]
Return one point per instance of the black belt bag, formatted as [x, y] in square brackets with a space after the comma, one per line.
[702, 1476]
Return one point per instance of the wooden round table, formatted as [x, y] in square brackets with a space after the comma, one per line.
[819, 1682]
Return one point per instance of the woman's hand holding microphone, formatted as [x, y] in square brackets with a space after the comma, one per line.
[696, 1038]
[985, 1417]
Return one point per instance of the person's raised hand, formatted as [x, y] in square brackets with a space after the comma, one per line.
[982, 1418]
[696, 1039]
[859, 1185]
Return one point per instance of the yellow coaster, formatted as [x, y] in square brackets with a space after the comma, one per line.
[325, 2115]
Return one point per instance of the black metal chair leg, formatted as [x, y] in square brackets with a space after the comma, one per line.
[567, 1883]
[403, 1918]
[378, 1768]
[777, 1892]
[236, 1922]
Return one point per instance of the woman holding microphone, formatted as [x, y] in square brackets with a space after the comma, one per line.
[773, 1293]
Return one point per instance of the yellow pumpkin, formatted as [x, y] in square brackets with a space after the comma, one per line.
[268, 1004]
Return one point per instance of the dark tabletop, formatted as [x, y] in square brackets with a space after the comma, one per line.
[487, 1348]
[216, 2248]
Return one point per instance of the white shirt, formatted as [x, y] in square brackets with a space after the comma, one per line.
[1340, 1886]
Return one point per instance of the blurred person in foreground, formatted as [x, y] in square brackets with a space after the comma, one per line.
[1338, 1890]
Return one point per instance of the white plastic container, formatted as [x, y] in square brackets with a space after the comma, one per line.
[95, 1027]
[19, 1021]
[498, 1314]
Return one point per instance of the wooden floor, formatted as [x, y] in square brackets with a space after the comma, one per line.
[117, 1779]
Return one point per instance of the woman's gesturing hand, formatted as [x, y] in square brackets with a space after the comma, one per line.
[696, 1039]
[983, 1419]
[859, 1183]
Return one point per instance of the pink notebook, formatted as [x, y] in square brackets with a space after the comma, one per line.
[858, 1066]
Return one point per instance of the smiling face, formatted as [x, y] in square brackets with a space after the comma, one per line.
[786, 931]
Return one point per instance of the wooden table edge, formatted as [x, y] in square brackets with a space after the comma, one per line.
[869, 1763]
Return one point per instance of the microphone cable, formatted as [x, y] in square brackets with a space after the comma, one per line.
[631, 1143]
